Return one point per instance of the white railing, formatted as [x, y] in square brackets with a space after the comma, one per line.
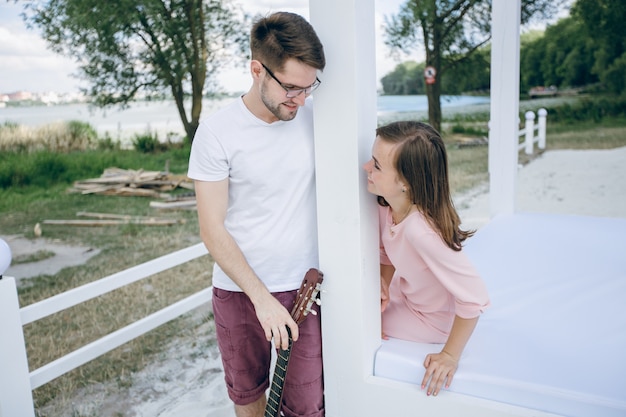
[529, 132]
[17, 383]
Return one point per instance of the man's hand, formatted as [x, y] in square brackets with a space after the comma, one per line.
[275, 319]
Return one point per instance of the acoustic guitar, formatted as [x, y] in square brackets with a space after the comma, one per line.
[303, 304]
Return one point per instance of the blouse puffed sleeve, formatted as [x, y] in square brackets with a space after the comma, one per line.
[456, 273]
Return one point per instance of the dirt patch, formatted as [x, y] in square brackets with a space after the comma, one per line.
[62, 256]
[187, 379]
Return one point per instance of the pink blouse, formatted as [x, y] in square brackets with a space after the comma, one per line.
[431, 284]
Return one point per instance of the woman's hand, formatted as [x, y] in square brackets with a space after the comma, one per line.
[384, 299]
[440, 369]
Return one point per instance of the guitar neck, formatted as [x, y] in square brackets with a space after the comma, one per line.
[275, 396]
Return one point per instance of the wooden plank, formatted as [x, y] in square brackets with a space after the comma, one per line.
[104, 189]
[174, 205]
[98, 223]
[116, 181]
[112, 216]
[140, 192]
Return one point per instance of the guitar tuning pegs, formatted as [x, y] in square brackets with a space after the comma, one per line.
[318, 301]
[313, 312]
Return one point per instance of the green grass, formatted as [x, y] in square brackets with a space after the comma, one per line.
[34, 257]
[609, 134]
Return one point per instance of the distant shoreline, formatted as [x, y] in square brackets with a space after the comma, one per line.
[449, 112]
[161, 118]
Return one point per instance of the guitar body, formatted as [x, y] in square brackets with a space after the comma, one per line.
[306, 296]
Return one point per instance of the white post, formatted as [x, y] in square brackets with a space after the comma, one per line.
[530, 132]
[503, 133]
[345, 124]
[543, 116]
[16, 397]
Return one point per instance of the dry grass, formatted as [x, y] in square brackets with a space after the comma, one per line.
[467, 167]
[57, 335]
[55, 137]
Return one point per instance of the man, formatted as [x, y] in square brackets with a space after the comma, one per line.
[253, 166]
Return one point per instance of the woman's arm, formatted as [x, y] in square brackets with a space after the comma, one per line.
[441, 367]
[386, 274]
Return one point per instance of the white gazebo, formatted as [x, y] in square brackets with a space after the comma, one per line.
[345, 121]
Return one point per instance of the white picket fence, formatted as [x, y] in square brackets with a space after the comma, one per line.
[17, 383]
[528, 132]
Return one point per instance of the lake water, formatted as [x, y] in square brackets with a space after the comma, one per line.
[162, 117]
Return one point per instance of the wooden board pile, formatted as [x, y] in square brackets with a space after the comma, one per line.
[128, 182]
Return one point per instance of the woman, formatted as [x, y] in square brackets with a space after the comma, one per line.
[430, 292]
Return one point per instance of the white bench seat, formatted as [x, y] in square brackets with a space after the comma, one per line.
[555, 337]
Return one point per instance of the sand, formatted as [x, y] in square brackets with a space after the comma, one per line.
[574, 182]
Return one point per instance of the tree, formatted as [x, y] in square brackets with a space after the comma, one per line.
[469, 75]
[404, 79]
[450, 32]
[603, 21]
[129, 47]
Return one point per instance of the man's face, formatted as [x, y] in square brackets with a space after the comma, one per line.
[294, 75]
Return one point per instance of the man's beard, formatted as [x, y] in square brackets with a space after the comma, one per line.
[276, 109]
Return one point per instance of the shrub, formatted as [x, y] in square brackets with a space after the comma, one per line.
[147, 143]
[589, 109]
[108, 144]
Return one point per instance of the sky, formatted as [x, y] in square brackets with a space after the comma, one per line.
[26, 64]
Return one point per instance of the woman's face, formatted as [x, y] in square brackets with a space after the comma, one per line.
[382, 178]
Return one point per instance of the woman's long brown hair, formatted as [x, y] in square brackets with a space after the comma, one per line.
[422, 162]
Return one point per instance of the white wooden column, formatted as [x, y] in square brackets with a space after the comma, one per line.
[503, 138]
[345, 124]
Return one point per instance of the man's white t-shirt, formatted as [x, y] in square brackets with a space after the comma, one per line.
[271, 202]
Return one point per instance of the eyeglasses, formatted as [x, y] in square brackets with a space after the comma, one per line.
[294, 92]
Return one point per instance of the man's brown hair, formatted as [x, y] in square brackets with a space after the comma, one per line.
[281, 36]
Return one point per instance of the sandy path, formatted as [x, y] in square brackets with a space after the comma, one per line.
[577, 182]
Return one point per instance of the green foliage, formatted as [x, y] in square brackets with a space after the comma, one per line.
[406, 79]
[471, 74]
[469, 129]
[108, 144]
[563, 57]
[587, 48]
[42, 169]
[81, 131]
[589, 109]
[147, 143]
[613, 77]
[466, 75]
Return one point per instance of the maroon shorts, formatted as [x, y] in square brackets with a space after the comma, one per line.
[246, 355]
